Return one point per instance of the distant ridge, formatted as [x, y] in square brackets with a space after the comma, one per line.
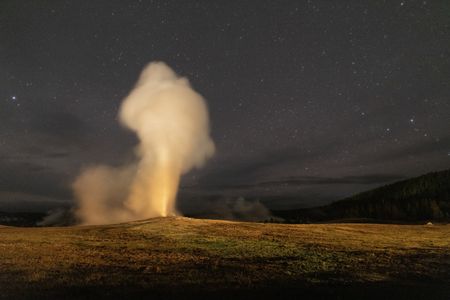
[423, 198]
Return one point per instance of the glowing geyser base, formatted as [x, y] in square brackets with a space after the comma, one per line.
[159, 186]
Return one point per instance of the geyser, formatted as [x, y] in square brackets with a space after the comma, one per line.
[172, 123]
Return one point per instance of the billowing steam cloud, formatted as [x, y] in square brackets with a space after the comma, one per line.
[172, 124]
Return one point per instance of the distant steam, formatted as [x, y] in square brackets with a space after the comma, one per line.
[172, 124]
[238, 209]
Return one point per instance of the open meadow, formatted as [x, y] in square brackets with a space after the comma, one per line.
[166, 257]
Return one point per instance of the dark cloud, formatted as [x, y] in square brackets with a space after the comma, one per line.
[16, 201]
[313, 180]
[33, 179]
[34, 153]
[57, 154]
[251, 169]
[62, 127]
[439, 146]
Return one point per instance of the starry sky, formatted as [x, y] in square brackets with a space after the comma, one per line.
[310, 101]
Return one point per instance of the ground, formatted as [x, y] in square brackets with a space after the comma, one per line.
[183, 257]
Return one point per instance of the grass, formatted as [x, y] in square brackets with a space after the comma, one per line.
[166, 257]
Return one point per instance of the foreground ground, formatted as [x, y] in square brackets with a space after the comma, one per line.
[167, 257]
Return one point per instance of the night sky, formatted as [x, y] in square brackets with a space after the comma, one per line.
[310, 101]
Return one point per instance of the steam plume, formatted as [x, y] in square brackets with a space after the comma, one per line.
[172, 124]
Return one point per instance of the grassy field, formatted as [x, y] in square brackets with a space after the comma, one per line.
[167, 257]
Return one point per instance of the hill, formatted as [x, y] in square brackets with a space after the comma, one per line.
[182, 257]
[420, 199]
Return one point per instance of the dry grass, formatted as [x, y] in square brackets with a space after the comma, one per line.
[180, 254]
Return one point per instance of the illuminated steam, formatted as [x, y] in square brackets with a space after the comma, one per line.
[172, 124]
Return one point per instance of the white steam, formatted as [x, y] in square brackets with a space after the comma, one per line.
[172, 124]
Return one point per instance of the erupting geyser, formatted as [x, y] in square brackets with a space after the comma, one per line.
[172, 124]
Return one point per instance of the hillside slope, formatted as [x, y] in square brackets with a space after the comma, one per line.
[168, 257]
[424, 198]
